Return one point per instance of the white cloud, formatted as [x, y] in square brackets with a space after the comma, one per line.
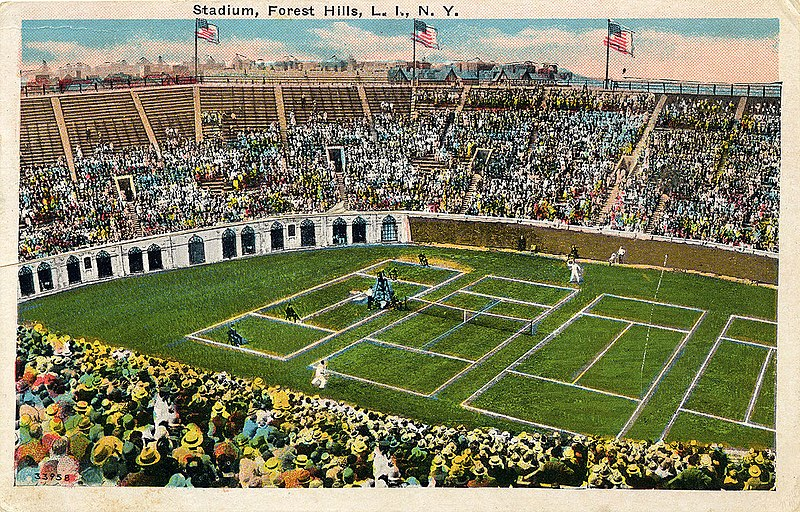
[344, 39]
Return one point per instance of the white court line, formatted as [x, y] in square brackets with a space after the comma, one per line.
[751, 343]
[283, 320]
[530, 352]
[453, 329]
[416, 350]
[518, 420]
[506, 299]
[696, 379]
[283, 299]
[643, 324]
[655, 302]
[364, 274]
[376, 383]
[328, 308]
[754, 319]
[743, 423]
[758, 388]
[660, 376]
[240, 349]
[515, 280]
[561, 382]
[334, 334]
[602, 353]
[476, 312]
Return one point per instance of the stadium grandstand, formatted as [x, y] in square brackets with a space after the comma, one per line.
[192, 208]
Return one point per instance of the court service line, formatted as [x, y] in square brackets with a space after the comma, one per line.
[515, 419]
[643, 324]
[364, 274]
[578, 386]
[417, 350]
[602, 353]
[754, 319]
[376, 383]
[668, 304]
[646, 398]
[233, 347]
[506, 299]
[515, 280]
[751, 343]
[285, 321]
[758, 388]
[720, 418]
[696, 379]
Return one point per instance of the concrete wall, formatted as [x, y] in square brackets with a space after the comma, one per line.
[174, 247]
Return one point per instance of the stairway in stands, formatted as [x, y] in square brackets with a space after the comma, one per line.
[477, 177]
[656, 218]
[343, 199]
[133, 219]
[740, 108]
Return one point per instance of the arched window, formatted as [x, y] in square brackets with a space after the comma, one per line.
[197, 251]
[73, 270]
[248, 240]
[229, 244]
[154, 258]
[45, 274]
[26, 281]
[104, 265]
[359, 231]
[308, 233]
[135, 260]
[276, 236]
[389, 229]
[339, 232]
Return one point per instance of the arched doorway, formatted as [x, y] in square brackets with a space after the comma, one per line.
[229, 244]
[45, 274]
[197, 251]
[308, 233]
[359, 231]
[339, 232]
[104, 265]
[276, 236]
[389, 229]
[154, 258]
[135, 260]
[73, 270]
[26, 281]
[248, 240]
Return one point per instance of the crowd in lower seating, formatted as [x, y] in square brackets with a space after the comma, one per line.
[89, 414]
[541, 154]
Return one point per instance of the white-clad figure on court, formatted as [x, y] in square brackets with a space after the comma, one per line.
[576, 272]
[620, 254]
[320, 375]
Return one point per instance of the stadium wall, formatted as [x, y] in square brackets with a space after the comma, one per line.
[174, 248]
[595, 244]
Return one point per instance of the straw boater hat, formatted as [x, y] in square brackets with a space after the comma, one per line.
[754, 471]
[192, 438]
[149, 455]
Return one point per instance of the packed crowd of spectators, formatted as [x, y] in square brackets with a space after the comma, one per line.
[541, 154]
[89, 414]
[708, 176]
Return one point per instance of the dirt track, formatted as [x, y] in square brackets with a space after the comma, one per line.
[597, 246]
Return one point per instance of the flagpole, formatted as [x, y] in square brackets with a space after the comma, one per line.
[414, 51]
[608, 49]
[196, 78]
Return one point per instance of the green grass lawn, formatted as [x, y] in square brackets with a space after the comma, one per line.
[620, 370]
[554, 404]
[753, 330]
[702, 429]
[316, 300]
[764, 410]
[563, 357]
[645, 312]
[152, 314]
[396, 367]
[422, 328]
[727, 385]
[470, 341]
[270, 336]
[520, 291]
[415, 273]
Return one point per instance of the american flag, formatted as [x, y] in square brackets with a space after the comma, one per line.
[207, 31]
[425, 35]
[620, 39]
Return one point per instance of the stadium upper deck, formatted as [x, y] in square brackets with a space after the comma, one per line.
[116, 164]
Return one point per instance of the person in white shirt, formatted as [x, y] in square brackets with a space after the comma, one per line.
[321, 375]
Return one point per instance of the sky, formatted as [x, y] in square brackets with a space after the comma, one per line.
[718, 50]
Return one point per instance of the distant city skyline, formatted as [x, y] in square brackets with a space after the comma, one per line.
[725, 50]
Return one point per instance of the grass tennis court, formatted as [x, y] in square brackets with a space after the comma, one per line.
[746, 329]
[556, 405]
[413, 371]
[646, 312]
[269, 336]
[159, 310]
